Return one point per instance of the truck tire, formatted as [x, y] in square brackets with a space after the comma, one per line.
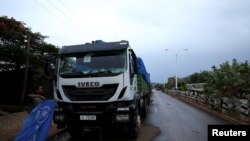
[134, 129]
[144, 110]
[75, 131]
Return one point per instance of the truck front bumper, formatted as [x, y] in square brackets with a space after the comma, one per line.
[96, 114]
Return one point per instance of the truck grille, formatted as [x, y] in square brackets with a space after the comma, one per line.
[90, 94]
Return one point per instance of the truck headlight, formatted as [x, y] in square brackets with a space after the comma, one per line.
[122, 117]
[123, 109]
[59, 118]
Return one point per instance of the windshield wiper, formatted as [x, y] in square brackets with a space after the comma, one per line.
[71, 74]
[105, 71]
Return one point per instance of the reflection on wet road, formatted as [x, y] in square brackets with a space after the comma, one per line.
[179, 121]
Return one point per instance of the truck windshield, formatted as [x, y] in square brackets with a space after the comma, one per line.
[104, 63]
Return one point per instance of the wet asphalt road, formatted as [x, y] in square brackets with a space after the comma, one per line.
[179, 121]
[168, 120]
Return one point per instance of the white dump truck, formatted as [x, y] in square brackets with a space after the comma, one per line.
[100, 84]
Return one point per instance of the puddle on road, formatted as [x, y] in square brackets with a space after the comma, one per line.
[148, 132]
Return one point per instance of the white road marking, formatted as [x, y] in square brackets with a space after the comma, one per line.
[156, 109]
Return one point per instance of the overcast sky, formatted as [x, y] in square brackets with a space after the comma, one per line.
[213, 31]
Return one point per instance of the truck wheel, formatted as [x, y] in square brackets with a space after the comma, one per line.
[75, 131]
[144, 111]
[134, 129]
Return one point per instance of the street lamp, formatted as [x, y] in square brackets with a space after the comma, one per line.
[176, 56]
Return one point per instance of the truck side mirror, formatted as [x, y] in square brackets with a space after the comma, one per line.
[49, 67]
[136, 69]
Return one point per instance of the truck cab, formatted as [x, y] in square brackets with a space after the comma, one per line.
[96, 86]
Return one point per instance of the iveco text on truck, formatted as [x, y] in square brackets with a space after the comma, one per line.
[100, 84]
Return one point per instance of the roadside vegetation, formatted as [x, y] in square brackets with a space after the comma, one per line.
[225, 89]
[226, 80]
[21, 51]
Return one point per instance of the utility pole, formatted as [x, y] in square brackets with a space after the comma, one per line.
[26, 71]
[176, 78]
[176, 57]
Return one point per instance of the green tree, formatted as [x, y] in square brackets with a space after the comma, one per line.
[198, 77]
[13, 45]
[230, 79]
[21, 48]
[171, 83]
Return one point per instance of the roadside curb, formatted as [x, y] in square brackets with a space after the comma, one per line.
[213, 112]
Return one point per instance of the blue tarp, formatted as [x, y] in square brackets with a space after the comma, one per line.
[142, 69]
[38, 122]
